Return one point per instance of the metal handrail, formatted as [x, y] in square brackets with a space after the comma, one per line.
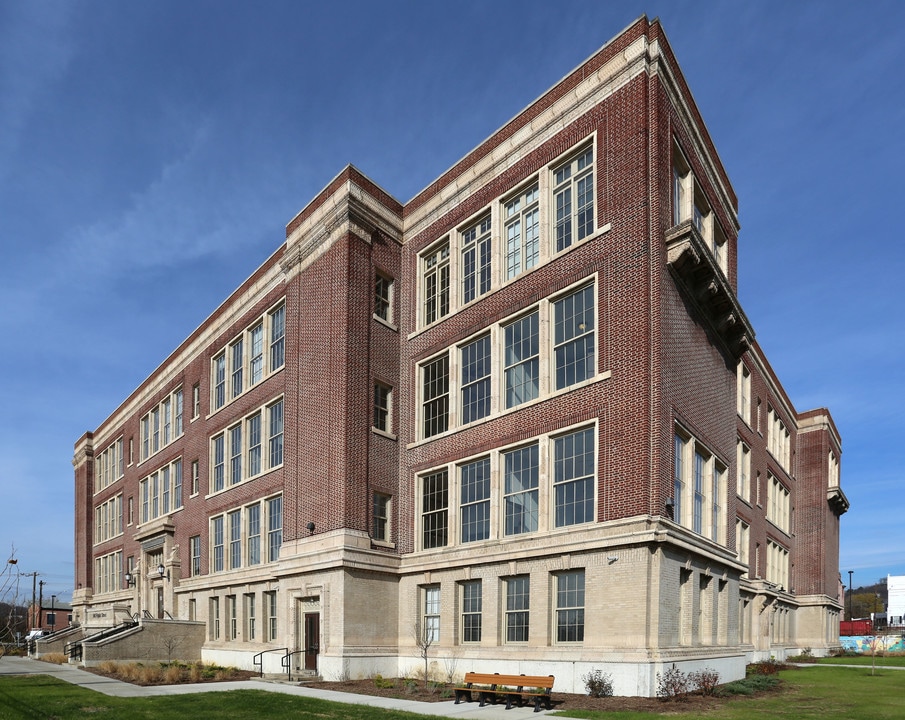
[286, 662]
[259, 658]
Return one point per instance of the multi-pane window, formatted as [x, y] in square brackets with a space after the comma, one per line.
[162, 424]
[777, 564]
[277, 322]
[108, 572]
[434, 509]
[108, 519]
[235, 454]
[108, 465]
[743, 392]
[778, 504]
[383, 298]
[214, 616]
[195, 477]
[517, 608]
[256, 360]
[237, 363]
[699, 485]
[235, 539]
[521, 361]
[474, 509]
[274, 528]
[558, 335]
[253, 531]
[253, 430]
[435, 283]
[242, 364]
[231, 463]
[471, 611]
[195, 555]
[435, 395]
[574, 337]
[476, 379]
[514, 480]
[217, 543]
[698, 507]
[251, 618]
[219, 381]
[521, 216]
[743, 467]
[382, 404]
[573, 199]
[232, 615]
[196, 400]
[381, 515]
[520, 472]
[570, 606]
[161, 491]
[430, 619]
[275, 433]
[242, 528]
[573, 480]
[475, 243]
[778, 439]
[270, 602]
[679, 181]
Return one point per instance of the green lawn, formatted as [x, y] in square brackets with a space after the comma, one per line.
[824, 693]
[891, 660]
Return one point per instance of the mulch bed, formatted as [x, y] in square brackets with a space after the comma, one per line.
[561, 701]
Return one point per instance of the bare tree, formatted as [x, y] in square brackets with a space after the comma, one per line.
[424, 638]
[12, 612]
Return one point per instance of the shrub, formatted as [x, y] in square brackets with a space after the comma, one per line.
[748, 686]
[705, 681]
[384, 683]
[672, 685]
[765, 667]
[598, 683]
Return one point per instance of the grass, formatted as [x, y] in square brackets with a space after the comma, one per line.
[824, 693]
[813, 693]
[887, 660]
[40, 696]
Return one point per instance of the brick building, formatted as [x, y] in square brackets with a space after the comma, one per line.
[522, 415]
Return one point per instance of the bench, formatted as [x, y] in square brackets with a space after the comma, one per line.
[513, 687]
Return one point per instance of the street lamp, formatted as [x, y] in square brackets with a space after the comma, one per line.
[850, 594]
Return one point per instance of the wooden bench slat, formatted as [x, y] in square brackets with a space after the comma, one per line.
[523, 685]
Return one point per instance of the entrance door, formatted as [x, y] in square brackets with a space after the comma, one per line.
[160, 603]
[312, 640]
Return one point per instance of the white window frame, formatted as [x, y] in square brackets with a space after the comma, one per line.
[249, 358]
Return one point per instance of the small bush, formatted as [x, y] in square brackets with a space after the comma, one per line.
[383, 683]
[704, 681]
[598, 683]
[748, 686]
[672, 685]
[766, 667]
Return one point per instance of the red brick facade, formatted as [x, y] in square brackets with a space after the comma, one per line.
[666, 336]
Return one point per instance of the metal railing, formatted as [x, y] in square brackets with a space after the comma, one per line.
[259, 658]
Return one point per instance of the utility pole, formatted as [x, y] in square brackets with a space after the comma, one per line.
[41, 603]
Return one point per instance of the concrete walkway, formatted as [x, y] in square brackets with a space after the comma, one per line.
[117, 688]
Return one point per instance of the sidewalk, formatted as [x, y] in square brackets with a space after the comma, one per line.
[117, 688]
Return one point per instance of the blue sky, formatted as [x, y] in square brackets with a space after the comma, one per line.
[151, 155]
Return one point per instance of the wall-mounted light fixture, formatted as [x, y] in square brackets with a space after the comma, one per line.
[310, 527]
[129, 578]
[163, 572]
[670, 508]
[612, 558]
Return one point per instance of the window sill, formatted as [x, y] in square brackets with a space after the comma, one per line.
[555, 255]
[386, 323]
[605, 375]
[384, 433]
